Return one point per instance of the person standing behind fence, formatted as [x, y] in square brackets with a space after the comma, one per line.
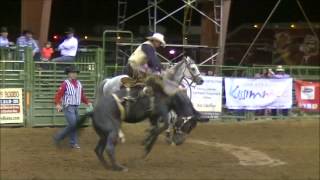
[68, 48]
[4, 42]
[67, 99]
[26, 40]
[46, 52]
[262, 74]
[280, 74]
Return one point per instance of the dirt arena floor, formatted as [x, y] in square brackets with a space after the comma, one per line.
[260, 150]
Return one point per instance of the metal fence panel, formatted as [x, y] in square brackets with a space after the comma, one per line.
[40, 81]
[45, 84]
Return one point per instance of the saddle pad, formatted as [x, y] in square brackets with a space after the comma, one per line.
[129, 82]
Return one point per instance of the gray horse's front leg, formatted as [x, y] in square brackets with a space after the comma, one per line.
[170, 130]
[153, 136]
[154, 126]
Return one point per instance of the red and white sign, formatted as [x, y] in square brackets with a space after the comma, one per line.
[308, 95]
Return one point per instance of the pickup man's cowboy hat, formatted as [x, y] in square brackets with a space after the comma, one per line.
[158, 37]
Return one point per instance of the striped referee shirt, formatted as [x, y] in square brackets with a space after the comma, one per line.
[71, 93]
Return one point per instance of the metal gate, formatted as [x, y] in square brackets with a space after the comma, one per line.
[47, 77]
[40, 81]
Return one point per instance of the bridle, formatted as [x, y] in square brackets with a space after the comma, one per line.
[187, 67]
[193, 76]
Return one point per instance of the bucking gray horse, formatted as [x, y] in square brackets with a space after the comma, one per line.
[185, 69]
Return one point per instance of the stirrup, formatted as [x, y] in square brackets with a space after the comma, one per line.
[129, 98]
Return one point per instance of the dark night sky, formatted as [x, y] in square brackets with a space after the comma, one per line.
[85, 14]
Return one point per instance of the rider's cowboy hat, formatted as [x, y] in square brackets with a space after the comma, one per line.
[158, 37]
[3, 30]
[279, 69]
[70, 69]
[69, 30]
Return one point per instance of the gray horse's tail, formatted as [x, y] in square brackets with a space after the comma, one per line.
[83, 118]
[99, 92]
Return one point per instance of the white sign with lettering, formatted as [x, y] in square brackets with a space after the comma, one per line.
[207, 98]
[11, 109]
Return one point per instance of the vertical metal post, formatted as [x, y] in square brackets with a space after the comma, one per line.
[155, 15]
[221, 33]
[3, 67]
[54, 112]
[28, 86]
[98, 66]
[122, 9]
[224, 18]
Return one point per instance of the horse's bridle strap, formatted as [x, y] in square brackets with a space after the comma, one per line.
[120, 106]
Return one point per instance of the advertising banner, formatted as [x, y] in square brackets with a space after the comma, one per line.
[308, 95]
[245, 93]
[11, 108]
[207, 98]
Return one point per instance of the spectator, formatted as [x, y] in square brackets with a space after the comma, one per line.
[68, 98]
[4, 42]
[26, 40]
[280, 73]
[262, 74]
[46, 52]
[210, 73]
[68, 48]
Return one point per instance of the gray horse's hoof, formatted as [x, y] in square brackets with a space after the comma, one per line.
[178, 139]
[120, 168]
[145, 155]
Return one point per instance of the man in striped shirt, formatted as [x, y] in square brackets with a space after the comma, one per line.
[68, 98]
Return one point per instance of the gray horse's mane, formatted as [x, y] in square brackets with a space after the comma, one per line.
[170, 72]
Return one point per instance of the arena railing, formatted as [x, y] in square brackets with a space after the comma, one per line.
[40, 80]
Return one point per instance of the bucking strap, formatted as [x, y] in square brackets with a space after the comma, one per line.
[120, 107]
